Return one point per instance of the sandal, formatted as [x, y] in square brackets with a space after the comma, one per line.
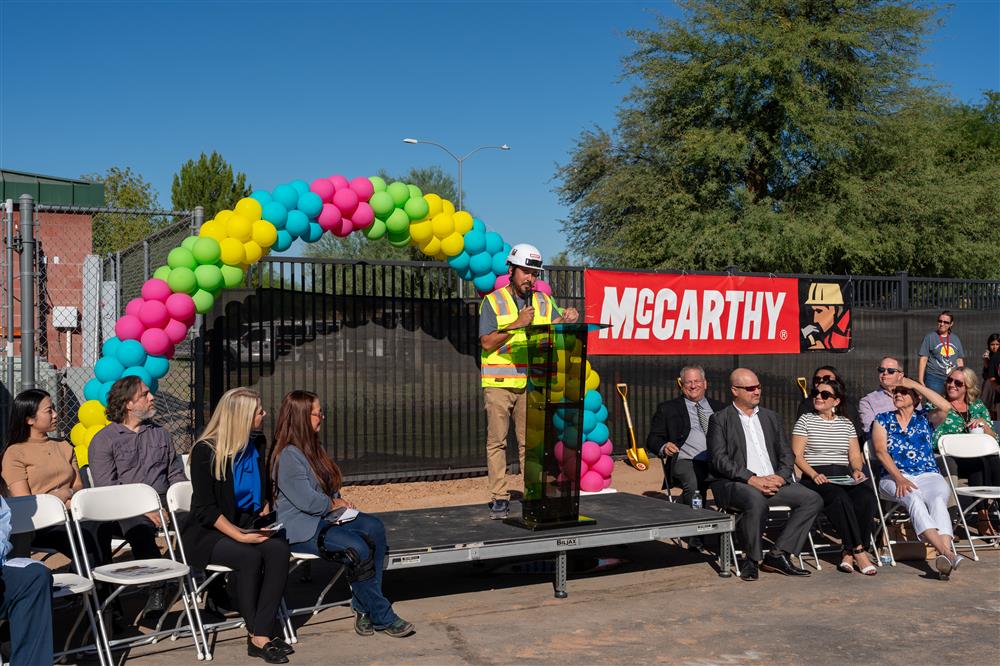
[985, 527]
[847, 564]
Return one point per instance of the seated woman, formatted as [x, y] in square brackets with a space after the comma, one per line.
[827, 374]
[826, 445]
[902, 440]
[307, 497]
[966, 413]
[229, 496]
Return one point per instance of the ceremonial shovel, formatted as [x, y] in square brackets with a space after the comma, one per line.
[636, 456]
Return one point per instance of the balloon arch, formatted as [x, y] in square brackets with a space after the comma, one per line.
[218, 257]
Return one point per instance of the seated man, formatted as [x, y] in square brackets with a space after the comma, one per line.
[880, 400]
[751, 469]
[25, 601]
[132, 449]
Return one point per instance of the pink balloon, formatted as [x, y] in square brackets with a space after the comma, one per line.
[590, 453]
[156, 290]
[153, 314]
[346, 200]
[561, 478]
[502, 281]
[176, 331]
[607, 448]
[133, 306]
[170, 353]
[156, 342]
[343, 229]
[363, 188]
[329, 218]
[558, 451]
[129, 327]
[363, 216]
[339, 181]
[604, 466]
[607, 482]
[324, 188]
[543, 286]
[591, 482]
[180, 307]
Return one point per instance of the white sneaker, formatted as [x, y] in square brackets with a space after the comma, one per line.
[958, 561]
[944, 566]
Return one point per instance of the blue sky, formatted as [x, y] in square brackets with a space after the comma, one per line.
[308, 89]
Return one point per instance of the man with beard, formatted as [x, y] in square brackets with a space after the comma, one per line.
[503, 315]
[133, 449]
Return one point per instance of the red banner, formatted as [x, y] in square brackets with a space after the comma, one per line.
[656, 313]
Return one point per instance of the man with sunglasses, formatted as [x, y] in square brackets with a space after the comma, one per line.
[940, 352]
[880, 400]
[751, 464]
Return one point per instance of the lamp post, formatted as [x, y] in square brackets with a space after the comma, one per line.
[458, 159]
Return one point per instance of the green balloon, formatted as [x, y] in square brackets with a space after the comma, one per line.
[399, 193]
[378, 183]
[203, 301]
[206, 250]
[416, 208]
[398, 222]
[415, 192]
[188, 243]
[162, 273]
[232, 276]
[399, 241]
[382, 204]
[375, 230]
[180, 257]
[182, 280]
[209, 277]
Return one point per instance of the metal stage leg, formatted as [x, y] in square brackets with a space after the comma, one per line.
[561, 575]
[725, 556]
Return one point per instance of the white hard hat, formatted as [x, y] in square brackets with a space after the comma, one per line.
[525, 256]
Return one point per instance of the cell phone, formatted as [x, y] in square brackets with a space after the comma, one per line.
[272, 528]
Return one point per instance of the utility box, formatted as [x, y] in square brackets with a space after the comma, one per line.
[65, 318]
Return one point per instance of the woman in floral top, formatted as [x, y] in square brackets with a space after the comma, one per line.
[902, 440]
[967, 413]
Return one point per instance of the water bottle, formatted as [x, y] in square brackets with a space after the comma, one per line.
[696, 500]
[885, 558]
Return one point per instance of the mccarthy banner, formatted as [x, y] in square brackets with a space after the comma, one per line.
[657, 313]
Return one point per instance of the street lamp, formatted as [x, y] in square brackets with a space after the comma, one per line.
[458, 159]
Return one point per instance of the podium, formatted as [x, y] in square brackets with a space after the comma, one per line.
[557, 370]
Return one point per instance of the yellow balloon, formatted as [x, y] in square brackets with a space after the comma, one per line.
[253, 252]
[463, 221]
[249, 208]
[452, 245]
[264, 233]
[213, 229]
[239, 227]
[421, 232]
[433, 205]
[440, 256]
[223, 216]
[443, 225]
[431, 247]
[447, 207]
[92, 413]
[233, 253]
[77, 433]
[593, 381]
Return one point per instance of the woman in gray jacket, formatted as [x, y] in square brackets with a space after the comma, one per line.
[318, 520]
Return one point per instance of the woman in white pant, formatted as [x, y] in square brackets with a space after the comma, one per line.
[902, 440]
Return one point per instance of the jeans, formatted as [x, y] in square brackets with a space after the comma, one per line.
[935, 382]
[366, 595]
[26, 602]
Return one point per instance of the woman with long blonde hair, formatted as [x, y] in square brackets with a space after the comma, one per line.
[230, 497]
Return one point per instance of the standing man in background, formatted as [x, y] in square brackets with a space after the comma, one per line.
[940, 352]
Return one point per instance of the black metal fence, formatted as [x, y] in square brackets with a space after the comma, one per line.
[392, 350]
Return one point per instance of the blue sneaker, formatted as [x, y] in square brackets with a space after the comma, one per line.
[499, 509]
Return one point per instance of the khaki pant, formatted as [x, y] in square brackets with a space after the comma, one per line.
[501, 404]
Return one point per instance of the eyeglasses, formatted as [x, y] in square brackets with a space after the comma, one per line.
[826, 395]
[955, 382]
[824, 379]
[320, 414]
[888, 371]
[260, 411]
[748, 389]
[944, 321]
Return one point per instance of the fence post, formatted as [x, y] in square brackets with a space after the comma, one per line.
[199, 345]
[904, 290]
[145, 260]
[27, 219]
[9, 293]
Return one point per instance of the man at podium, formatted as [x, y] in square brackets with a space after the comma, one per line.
[503, 315]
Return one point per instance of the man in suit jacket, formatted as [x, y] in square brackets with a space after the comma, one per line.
[751, 467]
[678, 434]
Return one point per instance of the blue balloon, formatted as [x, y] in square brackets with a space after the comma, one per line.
[558, 421]
[301, 186]
[589, 421]
[494, 242]
[284, 241]
[315, 232]
[297, 224]
[475, 242]
[110, 346]
[592, 401]
[460, 262]
[263, 197]
[602, 414]
[93, 390]
[506, 249]
[153, 385]
[275, 213]
[286, 195]
[156, 366]
[108, 369]
[104, 393]
[478, 225]
[499, 263]
[481, 264]
[599, 434]
[131, 353]
[310, 204]
[467, 275]
[485, 283]
[141, 373]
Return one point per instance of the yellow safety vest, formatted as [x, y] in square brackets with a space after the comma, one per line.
[507, 366]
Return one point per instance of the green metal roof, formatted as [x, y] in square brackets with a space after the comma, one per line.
[50, 189]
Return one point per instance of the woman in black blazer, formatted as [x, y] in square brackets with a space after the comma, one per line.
[230, 494]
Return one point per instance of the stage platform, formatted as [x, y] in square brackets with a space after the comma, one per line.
[426, 537]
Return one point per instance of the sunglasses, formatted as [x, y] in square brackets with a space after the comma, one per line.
[826, 395]
[944, 321]
[902, 391]
[824, 379]
[888, 371]
[749, 389]
[954, 382]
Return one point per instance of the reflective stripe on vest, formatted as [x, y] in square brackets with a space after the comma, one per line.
[507, 367]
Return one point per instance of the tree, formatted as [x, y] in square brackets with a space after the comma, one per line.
[210, 183]
[123, 188]
[769, 135]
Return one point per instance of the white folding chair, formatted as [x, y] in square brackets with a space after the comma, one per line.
[299, 559]
[781, 508]
[186, 460]
[36, 512]
[970, 445]
[130, 501]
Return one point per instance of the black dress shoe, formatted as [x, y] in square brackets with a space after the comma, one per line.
[285, 648]
[269, 653]
[156, 602]
[781, 564]
[749, 571]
